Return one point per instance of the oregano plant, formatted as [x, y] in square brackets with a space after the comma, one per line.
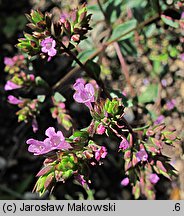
[140, 144]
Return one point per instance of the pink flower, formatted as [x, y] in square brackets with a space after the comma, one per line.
[56, 140]
[84, 93]
[125, 181]
[37, 147]
[100, 129]
[100, 153]
[11, 85]
[182, 56]
[81, 180]
[159, 120]
[80, 80]
[14, 100]
[53, 142]
[8, 61]
[170, 104]
[48, 46]
[182, 15]
[154, 178]
[64, 16]
[124, 93]
[31, 77]
[146, 81]
[124, 144]
[142, 155]
[61, 105]
[164, 82]
[75, 37]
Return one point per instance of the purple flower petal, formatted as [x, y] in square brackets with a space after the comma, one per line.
[182, 56]
[50, 132]
[142, 155]
[125, 181]
[81, 180]
[48, 46]
[154, 178]
[36, 147]
[78, 85]
[170, 104]
[10, 86]
[53, 142]
[90, 89]
[159, 120]
[44, 50]
[100, 153]
[164, 82]
[100, 129]
[14, 100]
[84, 94]
[182, 15]
[124, 144]
[8, 61]
[52, 52]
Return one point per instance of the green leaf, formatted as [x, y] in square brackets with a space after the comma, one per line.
[95, 10]
[58, 97]
[150, 30]
[134, 3]
[122, 29]
[83, 56]
[173, 52]
[149, 95]
[169, 21]
[36, 16]
[41, 98]
[112, 107]
[21, 118]
[136, 190]
[161, 57]
[118, 94]
[40, 82]
[82, 134]
[67, 174]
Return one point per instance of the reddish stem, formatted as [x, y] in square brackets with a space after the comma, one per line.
[124, 68]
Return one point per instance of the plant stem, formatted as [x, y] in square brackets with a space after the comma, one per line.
[141, 128]
[89, 73]
[102, 48]
[119, 54]
[10, 192]
[124, 68]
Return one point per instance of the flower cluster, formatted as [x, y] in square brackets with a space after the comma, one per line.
[17, 77]
[146, 162]
[68, 157]
[48, 36]
[20, 80]
[14, 64]
[29, 110]
[53, 142]
[76, 23]
[20, 77]
[59, 112]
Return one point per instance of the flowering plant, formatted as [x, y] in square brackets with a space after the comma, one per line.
[71, 152]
